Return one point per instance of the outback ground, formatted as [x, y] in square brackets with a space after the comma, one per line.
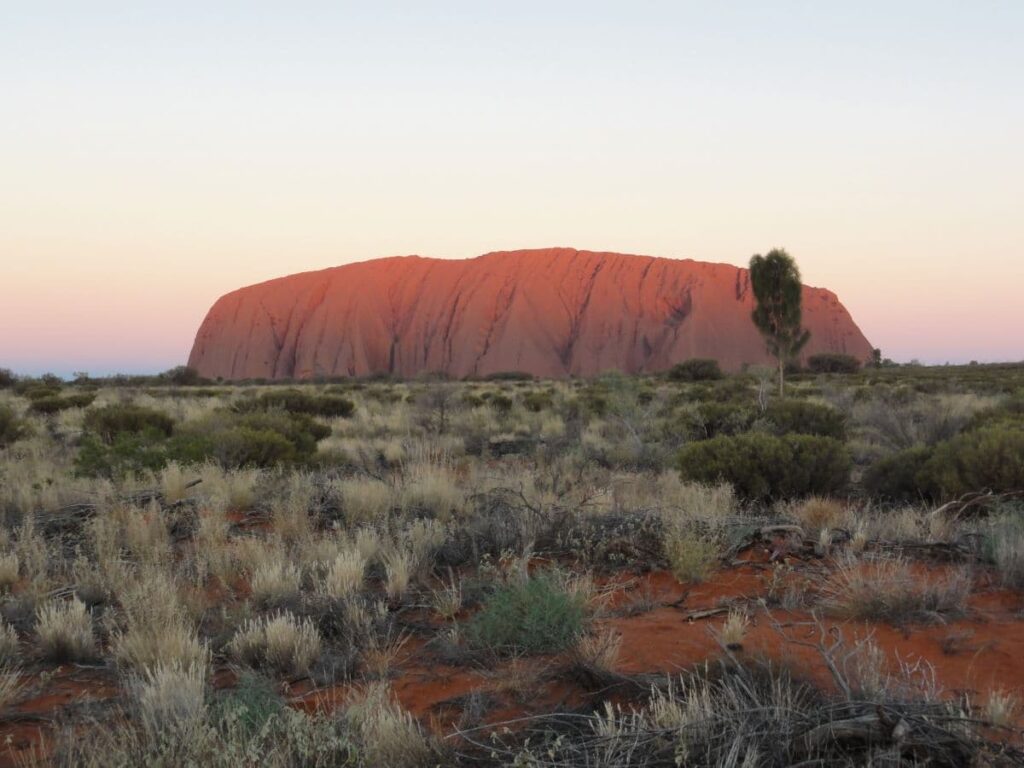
[683, 569]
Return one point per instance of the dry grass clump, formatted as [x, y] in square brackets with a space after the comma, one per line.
[430, 488]
[446, 600]
[64, 631]
[1001, 709]
[170, 702]
[677, 498]
[291, 519]
[9, 571]
[10, 686]
[275, 583]
[387, 733]
[599, 650]
[8, 644]
[156, 628]
[816, 513]
[734, 629]
[890, 589]
[398, 571]
[1005, 542]
[229, 490]
[365, 500]
[691, 557]
[174, 480]
[345, 574]
[281, 643]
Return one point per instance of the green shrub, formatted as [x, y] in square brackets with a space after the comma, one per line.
[712, 419]
[536, 616]
[33, 390]
[537, 401]
[49, 404]
[895, 477]
[695, 369]
[125, 418]
[257, 439]
[500, 402]
[7, 378]
[127, 454]
[832, 363]
[12, 427]
[805, 418]
[251, 704]
[991, 458]
[763, 467]
[307, 403]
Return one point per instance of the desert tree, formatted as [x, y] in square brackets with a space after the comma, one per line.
[778, 314]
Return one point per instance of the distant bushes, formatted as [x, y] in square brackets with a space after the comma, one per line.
[763, 467]
[122, 440]
[781, 417]
[258, 439]
[695, 369]
[509, 376]
[806, 418]
[126, 418]
[538, 401]
[53, 403]
[299, 402]
[833, 363]
[7, 378]
[183, 376]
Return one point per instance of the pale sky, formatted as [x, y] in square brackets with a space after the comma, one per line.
[154, 156]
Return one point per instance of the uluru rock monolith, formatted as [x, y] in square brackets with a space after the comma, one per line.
[553, 312]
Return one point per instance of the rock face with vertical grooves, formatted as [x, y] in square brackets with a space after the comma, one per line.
[554, 312]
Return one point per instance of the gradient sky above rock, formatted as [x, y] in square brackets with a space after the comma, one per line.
[155, 156]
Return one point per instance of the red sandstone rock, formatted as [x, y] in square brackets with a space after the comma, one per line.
[553, 312]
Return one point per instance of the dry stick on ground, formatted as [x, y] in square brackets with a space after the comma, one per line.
[979, 500]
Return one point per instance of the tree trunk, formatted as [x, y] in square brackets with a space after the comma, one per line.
[782, 381]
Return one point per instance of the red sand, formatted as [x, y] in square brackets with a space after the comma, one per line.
[982, 652]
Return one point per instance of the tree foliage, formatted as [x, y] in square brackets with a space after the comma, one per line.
[778, 315]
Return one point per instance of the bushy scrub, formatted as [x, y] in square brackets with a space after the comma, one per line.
[126, 455]
[538, 401]
[895, 477]
[763, 467]
[50, 404]
[258, 439]
[696, 369]
[712, 419]
[991, 458]
[233, 440]
[308, 403]
[126, 418]
[806, 418]
[535, 616]
[12, 427]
